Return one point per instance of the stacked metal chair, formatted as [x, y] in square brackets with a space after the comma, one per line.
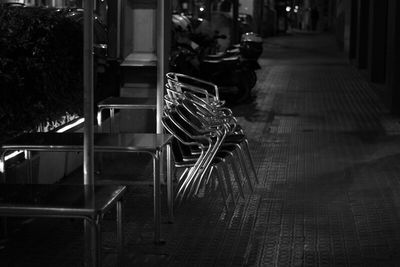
[207, 94]
[207, 141]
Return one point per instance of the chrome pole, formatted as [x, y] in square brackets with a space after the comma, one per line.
[160, 62]
[88, 162]
[88, 93]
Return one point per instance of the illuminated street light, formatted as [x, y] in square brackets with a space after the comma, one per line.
[288, 8]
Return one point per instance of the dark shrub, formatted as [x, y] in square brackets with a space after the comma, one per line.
[40, 68]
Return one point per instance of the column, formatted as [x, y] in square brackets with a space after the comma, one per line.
[377, 40]
[392, 93]
[353, 29]
[362, 34]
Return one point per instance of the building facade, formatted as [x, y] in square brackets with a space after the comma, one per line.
[369, 33]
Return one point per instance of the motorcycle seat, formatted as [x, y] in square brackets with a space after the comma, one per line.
[227, 55]
[216, 56]
[220, 64]
[235, 50]
[212, 61]
[230, 59]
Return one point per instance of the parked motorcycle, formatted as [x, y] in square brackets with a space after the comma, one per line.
[188, 57]
[231, 78]
[248, 50]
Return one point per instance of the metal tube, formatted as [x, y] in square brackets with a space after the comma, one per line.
[98, 243]
[90, 243]
[163, 39]
[160, 64]
[156, 198]
[112, 114]
[88, 155]
[170, 187]
[3, 167]
[28, 157]
[120, 237]
[88, 163]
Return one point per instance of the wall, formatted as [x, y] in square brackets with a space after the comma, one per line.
[246, 6]
[371, 39]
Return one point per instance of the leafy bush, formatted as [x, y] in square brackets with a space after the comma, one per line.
[40, 68]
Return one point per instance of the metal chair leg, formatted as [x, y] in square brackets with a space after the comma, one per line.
[247, 148]
[221, 186]
[236, 175]
[228, 182]
[242, 163]
[120, 237]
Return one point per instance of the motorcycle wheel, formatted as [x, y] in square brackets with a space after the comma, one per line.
[253, 78]
[244, 90]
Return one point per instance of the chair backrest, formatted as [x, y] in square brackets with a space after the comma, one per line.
[202, 88]
[184, 131]
[193, 119]
[208, 112]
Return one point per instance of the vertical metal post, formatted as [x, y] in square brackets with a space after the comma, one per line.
[156, 198]
[163, 40]
[170, 187]
[160, 62]
[2, 167]
[120, 237]
[88, 162]
[163, 45]
[28, 157]
[88, 93]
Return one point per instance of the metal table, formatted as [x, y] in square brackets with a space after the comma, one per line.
[112, 103]
[67, 201]
[149, 143]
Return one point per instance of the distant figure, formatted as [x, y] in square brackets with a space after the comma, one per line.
[314, 18]
[225, 6]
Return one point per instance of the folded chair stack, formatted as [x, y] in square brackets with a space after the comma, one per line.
[208, 142]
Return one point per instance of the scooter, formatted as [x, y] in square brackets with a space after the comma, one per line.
[232, 79]
[249, 50]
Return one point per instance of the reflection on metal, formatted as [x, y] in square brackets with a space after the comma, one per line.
[162, 8]
[62, 129]
[70, 126]
[88, 162]
[88, 139]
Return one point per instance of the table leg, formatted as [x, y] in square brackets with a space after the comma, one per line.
[170, 187]
[99, 119]
[3, 168]
[99, 164]
[112, 113]
[91, 249]
[28, 157]
[157, 198]
[3, 220]
[98, 243]
[120, 237]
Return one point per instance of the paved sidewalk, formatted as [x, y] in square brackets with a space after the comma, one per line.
[327, 154]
